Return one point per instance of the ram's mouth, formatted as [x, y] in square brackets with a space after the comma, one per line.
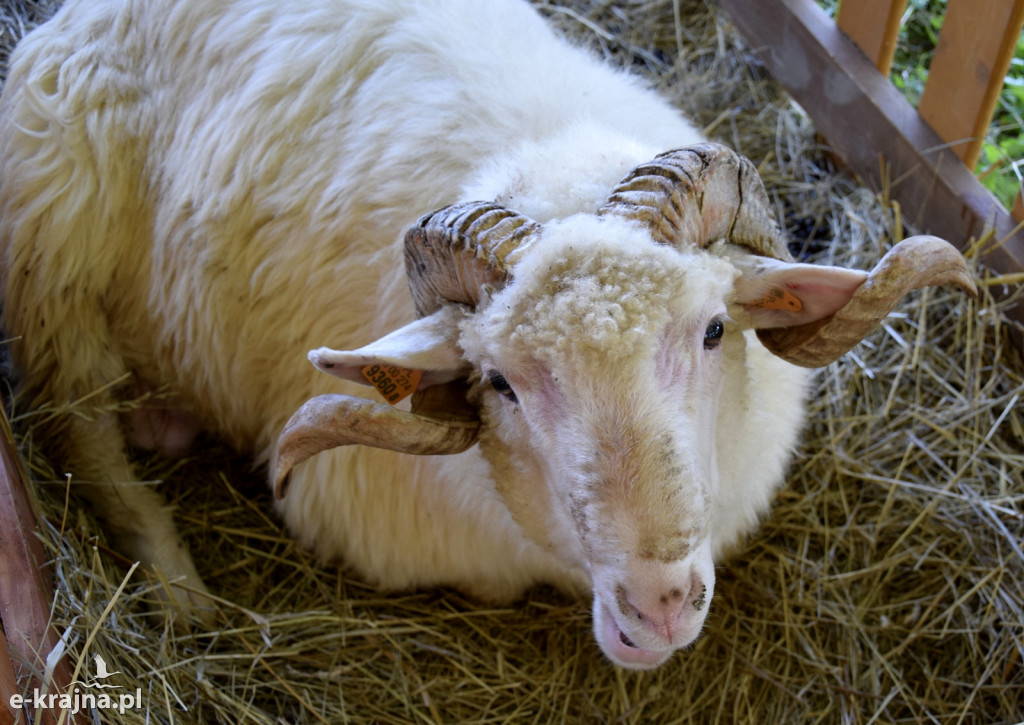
[619, 648]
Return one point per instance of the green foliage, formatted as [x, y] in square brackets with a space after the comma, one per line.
[919, 34]
[1003, 150]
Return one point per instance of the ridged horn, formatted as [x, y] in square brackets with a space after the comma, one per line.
[329, 421]
[698, 195]
[703, 193]
[453, 252]
[450, 255]
[915, 262]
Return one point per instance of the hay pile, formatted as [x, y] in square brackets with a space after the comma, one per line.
[886, 586]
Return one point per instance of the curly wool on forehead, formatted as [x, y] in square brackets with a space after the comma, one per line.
[594, 286]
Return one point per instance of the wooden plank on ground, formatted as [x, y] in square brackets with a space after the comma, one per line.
[873, 128]
[975, 48]
[25, 593]
[874, 25]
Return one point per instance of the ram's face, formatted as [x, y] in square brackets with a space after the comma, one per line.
[599, 375]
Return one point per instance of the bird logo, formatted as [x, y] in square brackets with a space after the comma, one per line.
[101, 668]
[101, 674]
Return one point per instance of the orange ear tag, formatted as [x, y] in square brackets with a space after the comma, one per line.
[392, 382]
[779, 299]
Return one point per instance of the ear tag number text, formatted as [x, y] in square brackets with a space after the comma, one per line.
[779, 299]
[392, 382]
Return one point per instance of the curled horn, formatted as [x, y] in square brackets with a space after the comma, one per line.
[450, 255]
[329, 421]
[698, 195]
[707, 192]
[453, 252]
[915, 262]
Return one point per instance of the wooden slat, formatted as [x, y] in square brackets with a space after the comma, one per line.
[874, 25]
[25, 593]
[1018, 206]
[8, 686]
[966, 76]
[868, 122]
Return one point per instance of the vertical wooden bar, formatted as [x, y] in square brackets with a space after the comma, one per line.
[966, 76]
[1018, 206]
[874, 25]
[25, 592]
[8, 685]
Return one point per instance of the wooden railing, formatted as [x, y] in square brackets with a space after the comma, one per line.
[837, 71]
[971, 61]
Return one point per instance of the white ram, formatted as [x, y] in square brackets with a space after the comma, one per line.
[197, 192]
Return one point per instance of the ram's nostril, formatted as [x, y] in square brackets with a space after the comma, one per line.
[701, 600]
[674, 595]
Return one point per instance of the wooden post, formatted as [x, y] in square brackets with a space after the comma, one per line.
[975, 48]
[1018, 206]
[874, 25]
[25, 592]
[8, 685]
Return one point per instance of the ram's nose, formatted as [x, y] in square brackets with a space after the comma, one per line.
[663, 606]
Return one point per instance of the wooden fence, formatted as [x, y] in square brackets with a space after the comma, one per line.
[838, 72]
[965, 79]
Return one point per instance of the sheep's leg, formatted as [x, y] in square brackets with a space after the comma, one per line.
[136, 515]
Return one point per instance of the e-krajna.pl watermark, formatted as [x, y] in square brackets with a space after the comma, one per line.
[95, 696]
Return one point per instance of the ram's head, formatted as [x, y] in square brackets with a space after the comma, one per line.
[588, 357]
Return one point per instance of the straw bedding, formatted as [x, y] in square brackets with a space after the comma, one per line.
[885, 586]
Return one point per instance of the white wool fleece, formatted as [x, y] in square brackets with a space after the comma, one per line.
[592, 291]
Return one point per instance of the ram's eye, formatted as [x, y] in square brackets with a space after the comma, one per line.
[713, 335]
[501, 385]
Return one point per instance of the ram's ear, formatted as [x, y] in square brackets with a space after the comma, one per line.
[426, 350]
[812, 315]
[769, 293]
